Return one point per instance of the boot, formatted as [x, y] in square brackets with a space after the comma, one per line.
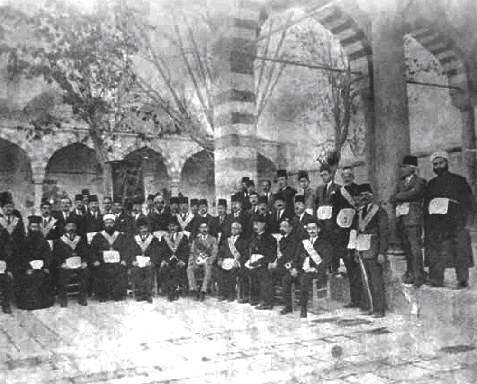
[63, 300]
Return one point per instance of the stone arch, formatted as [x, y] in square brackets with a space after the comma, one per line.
[154, 170]
[198, 176]
[71, 169]
[14, 137]
[266, 170]
[16, 174]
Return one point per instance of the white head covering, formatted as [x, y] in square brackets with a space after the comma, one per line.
[442, 154]
[158, 198]
[109, 216]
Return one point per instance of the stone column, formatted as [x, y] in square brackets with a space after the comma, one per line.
[469, 143]
[392, 136]
[175, 183]
[235, 100]
[38, 180]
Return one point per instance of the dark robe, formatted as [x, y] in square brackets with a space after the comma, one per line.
[13, 236]
[171, 275]
[35, 290]
[6, 281]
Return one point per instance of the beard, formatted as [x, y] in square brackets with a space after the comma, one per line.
[109, 230]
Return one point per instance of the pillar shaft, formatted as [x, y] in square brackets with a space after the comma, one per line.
[469, 144]
[235, 102]
[38, 180]
[392, 136]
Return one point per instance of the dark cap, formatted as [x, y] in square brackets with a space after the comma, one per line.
[46, 201]
[85, 192]
[303, 175]
[71, 220]
[410, 160]
[151, 197]
[250, 183]
[79, 197]
[253, 193]
[34, 219]
[282, 173]
[194, 202]
[222, 202]
[259, 219]
[262, 200]
[366, 187]
[138, 200]
[300, 199]
[5, 198]
[183, 200]
[352, 189]
[173, 220]
[117, 200]
[203, 202]
[174, 200]
[237, 198]
[93, 198]
[245, 179]
[279, 196]
[141, 222]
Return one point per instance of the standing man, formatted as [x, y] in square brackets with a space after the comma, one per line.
[263, 252]
[371, 241]
[124, 221]
[145, 252]
[408, 200]
[171, 274]
[347, 176]
[306, 191]
[79, 214]
[282, 211]
[311, 261]
[149, 205]
[241, 215]
[94, 219]
[6, 272]
[109, 252]
[202, 216]
[233, 253]
[159, 216]
[71, 256]
[194, 206]
[267, 192]
[448, 202]
[107, 205]
[174, 205]
[185, 217]
[222, 221]
[301, 218]
[253, 199]
[203, 254]
[49, 224]
[287, 192]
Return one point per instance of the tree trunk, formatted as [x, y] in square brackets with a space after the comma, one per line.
[103, 162]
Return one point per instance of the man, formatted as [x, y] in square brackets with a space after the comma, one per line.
[65, 211]
[233, 253]
[311, 261]
[185, 217]
[71, 256]
[174, 205]
[159, 216]
[107, 205]
[370, 240]
[266, 191]
[35, 290]
[263, 211]
[346, 220]
[79, 214]
[241, 215]
[408, 199]
[301, 218]
[124, 221]
[306, 191]
[287, 192]
[6, 272]
[171, 273]
[149, 205]
[327, 211]
[203, 254]
[253, 200]
[347, 176]
[49, 225]
[282, 211]
[263, 252]
[448, 202]
[203, 215]
[194, 206]
[109, 253]
[244, 192]
[136, 213]
[287, 246]
[145, 252]
[222, 221]
[94, 219]
[85, 193]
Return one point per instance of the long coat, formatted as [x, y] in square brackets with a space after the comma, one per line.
[412, 192]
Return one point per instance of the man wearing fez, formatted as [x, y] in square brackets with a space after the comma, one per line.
[244, 191]
[136, 214]
[327, 211]
[288, 192]
[6, 271]
[241, 215]
[407, 200]
[185, 217]
[124, 221]
[109, 253]
[94, 219]
[301, 218]
[65, 210]
[159, 215]
[11, 222]
[448, 203]
[311, 261]
[370, 239]
[306, 191]
[233, 253]
[194, 206]
[203, 254]
[145, 252]
[79, 214]
[222, 221]
[253, 200]
[263, 252]
[174, 205]
[267, 192]
[282, 211]
[50, 226]
[35, 290]
[71, 256]
[171, 273]
[203, 215]
[85, 194]
[346, 219]
[149, 205]
[263, 211]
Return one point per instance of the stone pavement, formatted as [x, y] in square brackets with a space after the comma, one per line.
[217, 342]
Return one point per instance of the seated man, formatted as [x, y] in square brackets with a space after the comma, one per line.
[70, 254]
[109, 252]
[6, 273]
[34, 278]
[171, 272]
[145, 252]
[203, 253]
[311, 261]
[233, 253]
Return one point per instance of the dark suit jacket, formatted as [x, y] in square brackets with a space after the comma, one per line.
[321, 246]
[328, 198]
[245, 219]
[93, 224]
[379, 227]
[265, 245]
[413, 193]
[208, 246]
[299, 226]
[181, 250]
[222, 226]
[288, 246]
[275, 222]
[242, 246]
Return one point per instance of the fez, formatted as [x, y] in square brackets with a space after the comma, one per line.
[300, 199]
[85, 192]
[34, 219]
[253, 193]
[279, 196]
[250, 183]
[409, 160]
[303, 175]
[151, 197]
[93, 198]
[46, 201]
[194, 202]
[141, 222]
[222, 202]
[71, 220]
[203, 202]
[262, 200]
[237, 198]
[259, 219]
[5, 198]
[183, 200]
[363, 188]
[117, 200]
[245, 179]
[352, 189]
[282, 173]
[174, 200]
[138, 200]
[78, 197]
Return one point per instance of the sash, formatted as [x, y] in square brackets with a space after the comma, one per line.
[3, 266]
[363, 222]
[144, 245]
[312, 252]
[51, 224]
[186, 222]
[233, 250]
[71, 243]
[175, 245]
[90, 236]
[9, 227]
[306, 265]
[110, 239]
[347, 196]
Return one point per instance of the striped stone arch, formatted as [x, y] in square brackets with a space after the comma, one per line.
[444, 49]
[18, 139]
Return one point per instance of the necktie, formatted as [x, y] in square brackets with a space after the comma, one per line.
[325, 190]
[45, 222]
[365, 211]
[9, 219]
[278, 215]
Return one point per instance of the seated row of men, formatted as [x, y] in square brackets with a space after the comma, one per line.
[237, 249]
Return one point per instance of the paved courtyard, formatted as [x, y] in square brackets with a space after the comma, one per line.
[215, 342]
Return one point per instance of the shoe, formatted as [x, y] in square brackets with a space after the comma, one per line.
[201, 296]
[7, 310]
[243, 300]
[285, 311]
[264, 306]
[303, 313]
[63, 303]
[170, 297]
[192, 293]
[149, 299]
[351, 305]
[82, 302]
[378, 314]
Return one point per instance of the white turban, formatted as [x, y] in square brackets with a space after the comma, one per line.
[437, 154]
[158, 198]
[109, 216]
